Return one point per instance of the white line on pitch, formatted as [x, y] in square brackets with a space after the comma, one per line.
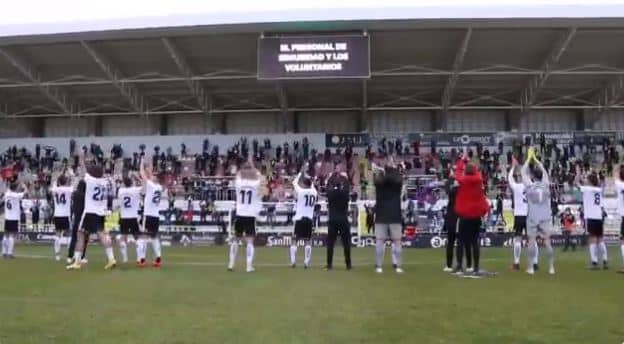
[223, 263]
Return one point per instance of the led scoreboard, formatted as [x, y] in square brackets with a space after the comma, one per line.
[314, 57]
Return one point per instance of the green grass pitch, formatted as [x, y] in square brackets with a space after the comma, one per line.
[193, 299]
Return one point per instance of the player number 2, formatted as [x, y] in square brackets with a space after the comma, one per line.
[244, 194]
[597, 199]
[156, 198]
[310, 200]
[126, 202]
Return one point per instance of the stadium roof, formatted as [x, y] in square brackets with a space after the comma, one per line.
[417, 64]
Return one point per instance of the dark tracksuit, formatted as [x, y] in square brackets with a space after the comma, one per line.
[338, 206]
[77, 209]
[450, 224]
[388, 197]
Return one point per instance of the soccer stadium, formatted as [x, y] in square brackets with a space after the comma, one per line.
[353, 172]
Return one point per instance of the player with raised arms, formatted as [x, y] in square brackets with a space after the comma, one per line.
[62, 193]
[537, 188]
[92, 220]
[619, 186]
[306, 200]
[388, 217]
[520, 209]
[593, 212]
[12, 204]
[249, 189]
[129, 197]
[151, 213]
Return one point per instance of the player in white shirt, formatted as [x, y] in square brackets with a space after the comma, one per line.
[539, 222]
[306, 196]
[92, 221]
[520, 210]
[12, 205]
[128, 198]
[249, 189]
[62, 194]
[593, 210]
[151, 213]
[619, 186]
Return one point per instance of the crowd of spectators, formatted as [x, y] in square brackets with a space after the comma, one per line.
[207, 176]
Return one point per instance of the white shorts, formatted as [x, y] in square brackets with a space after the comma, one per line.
[385, 230]
[542, 228]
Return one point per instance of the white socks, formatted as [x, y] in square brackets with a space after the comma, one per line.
[11, 245]
[123, 248]
[532, 255]
[57, 245]
[77, 257]
[517, 250]
[233, 252]
[250, 255]
[140, 249]
[307, 254]
[622, 250]
[156, 247]
[536, 257]
[396, 254]
[592, 253]
[380, 250]
[550, 252]
[293, 254]
[5, 245]
[603, 249]
[109, 254]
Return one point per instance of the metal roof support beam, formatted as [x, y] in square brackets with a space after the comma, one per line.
[529, 94]
[54, 94]
[197, 90]
[132, 95]
[283, 103]
[612, 94]
[449, 88]
[364, 122]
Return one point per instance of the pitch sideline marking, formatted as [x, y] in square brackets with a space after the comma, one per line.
[224, 263]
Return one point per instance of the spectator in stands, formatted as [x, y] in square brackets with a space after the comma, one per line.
[34, 215]
[567, 223]
[203, 211]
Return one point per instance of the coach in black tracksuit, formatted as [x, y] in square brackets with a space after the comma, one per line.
[77, 209]
[338, 206]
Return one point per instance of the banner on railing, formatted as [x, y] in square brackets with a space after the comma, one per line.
[425, 240]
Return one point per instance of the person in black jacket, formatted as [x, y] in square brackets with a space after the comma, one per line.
[450, 222]
[388, 221]
[77, 208]
[338, 189]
